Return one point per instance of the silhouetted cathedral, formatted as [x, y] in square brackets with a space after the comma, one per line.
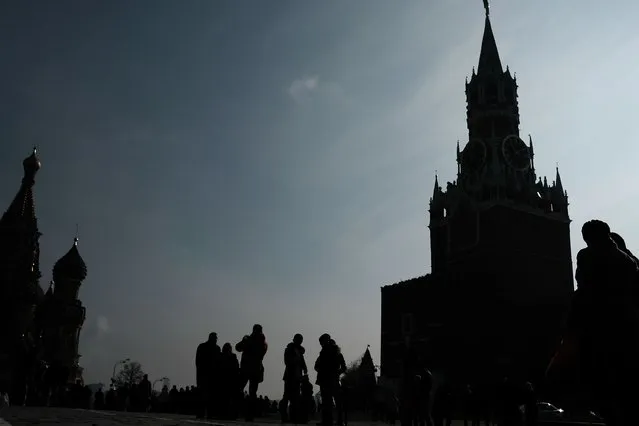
[35, 328]
[500, 252]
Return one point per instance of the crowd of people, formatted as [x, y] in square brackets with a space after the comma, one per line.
[221, 379]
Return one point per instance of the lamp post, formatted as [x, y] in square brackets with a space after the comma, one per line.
[158, 380]
[122, 361]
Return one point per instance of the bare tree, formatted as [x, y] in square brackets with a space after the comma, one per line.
[131, 373]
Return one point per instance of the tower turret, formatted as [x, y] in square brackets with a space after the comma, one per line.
[19, 274]
[558, 196]
[69, 272]
[437, 207]
[20, 252]
[65, 313]
[438, 234]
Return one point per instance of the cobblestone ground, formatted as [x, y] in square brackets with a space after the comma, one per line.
[44, 416]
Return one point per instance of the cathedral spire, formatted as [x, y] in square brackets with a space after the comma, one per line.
[489, 62]
[486, 8]
[22, 207]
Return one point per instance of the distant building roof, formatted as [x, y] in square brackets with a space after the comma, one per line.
[422, 280]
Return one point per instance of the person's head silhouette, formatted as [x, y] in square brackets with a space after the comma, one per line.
[595, 233]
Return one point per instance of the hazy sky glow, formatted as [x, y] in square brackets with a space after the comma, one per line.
[232, 162]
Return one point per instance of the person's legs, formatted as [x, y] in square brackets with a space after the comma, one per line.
[284, 403]
[252, 399]
[327, 405]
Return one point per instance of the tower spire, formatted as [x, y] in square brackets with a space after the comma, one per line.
[489, 62]
[558, 184]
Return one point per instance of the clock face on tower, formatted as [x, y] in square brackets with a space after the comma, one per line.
[516, 153]
[474, 156]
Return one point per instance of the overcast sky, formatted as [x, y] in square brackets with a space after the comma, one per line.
[233, 162]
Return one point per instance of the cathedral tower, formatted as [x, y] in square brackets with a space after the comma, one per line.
[19, 273]
[63, 313]
[20, 251]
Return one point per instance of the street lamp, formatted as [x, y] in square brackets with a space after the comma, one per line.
[158, 380]
[123, 361]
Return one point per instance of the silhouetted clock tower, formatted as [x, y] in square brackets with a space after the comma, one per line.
[500, 250]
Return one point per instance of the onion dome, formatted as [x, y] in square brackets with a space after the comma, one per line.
[31, 164]
[70, 265]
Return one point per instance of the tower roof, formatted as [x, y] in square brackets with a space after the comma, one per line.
[489, 62]
[367, 358]
[31, 164]
[22, 207]
[71, 265]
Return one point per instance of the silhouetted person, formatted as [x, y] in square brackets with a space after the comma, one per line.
[253, 349]
[174, 396]
[421, 402]
[295, 369]
[98, 400]
[229, 382]
[621, 245]
[530, 404]
[163, 400]
[442, 406]
[206, 359]
[144, 391]
[110, 399]
[308, 400]
[471, 407]
[341, 396]
[601, 340]
[329, 366]
[415, 388]
[510, 399]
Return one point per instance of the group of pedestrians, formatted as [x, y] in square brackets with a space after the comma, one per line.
[221, 379]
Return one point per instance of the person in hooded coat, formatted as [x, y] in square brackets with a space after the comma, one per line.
[253, 349]
[295, 370]
[330, 365]
[206, 359]
[229, 383]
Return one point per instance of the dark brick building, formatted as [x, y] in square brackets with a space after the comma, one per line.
[36, 329]
[500, 251]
